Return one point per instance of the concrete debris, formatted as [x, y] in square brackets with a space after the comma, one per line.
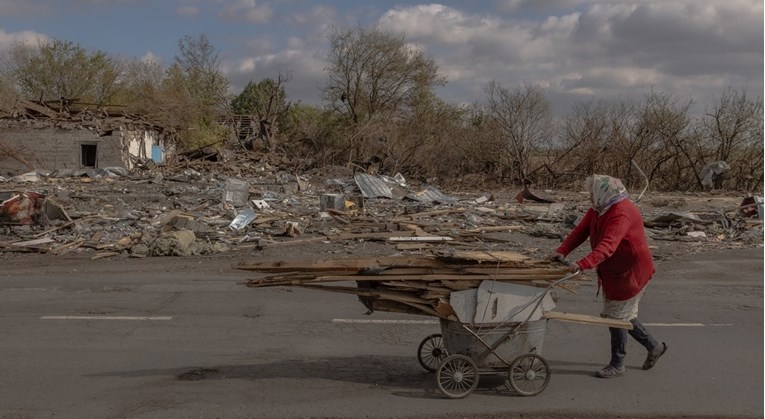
[261, 204]
[332, 201]
[236, 192]
[203, 207]
[292, 229]
[674, 218]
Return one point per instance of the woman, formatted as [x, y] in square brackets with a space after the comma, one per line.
[623, 263]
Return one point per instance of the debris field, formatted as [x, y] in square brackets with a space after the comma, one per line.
[262, 208]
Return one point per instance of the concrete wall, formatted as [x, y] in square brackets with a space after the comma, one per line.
[54, 148]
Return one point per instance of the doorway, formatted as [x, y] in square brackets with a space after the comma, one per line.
[89, 153]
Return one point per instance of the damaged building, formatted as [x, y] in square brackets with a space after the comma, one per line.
[63, 135]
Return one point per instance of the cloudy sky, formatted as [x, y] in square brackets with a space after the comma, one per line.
[575, 49]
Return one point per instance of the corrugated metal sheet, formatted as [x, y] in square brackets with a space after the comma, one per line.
[431, 194]
[372, 186]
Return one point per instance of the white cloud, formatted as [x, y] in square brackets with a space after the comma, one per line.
[304, 66]
[316, 16]
[435, 22]
[8, 40]
[594, 46]
[247, 11]
[151, 58]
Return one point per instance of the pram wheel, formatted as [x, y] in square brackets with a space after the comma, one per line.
[529, 374]
[431, 352]
[457, 376]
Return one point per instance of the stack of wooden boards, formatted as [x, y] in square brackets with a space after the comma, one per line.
[410, 283]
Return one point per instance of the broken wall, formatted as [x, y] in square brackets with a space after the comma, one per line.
[142, 144]
[57, 148]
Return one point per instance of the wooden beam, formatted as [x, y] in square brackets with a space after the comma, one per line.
[422, 239]
[586, 319]
[408, 217]
[38, 108]
[352, 264]
[489, 256]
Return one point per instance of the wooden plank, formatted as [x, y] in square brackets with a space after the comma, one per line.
[413, 285]
[438, 277]
[587, 319]
[401, 297]
[68, 247]
[434, 295]
[462, 261]
[370, 236]
[408, 217]
[488, 270]
[490, 229]
[300, 280]
[104, 255]
[421, 239]
[38, 108]
[413, 246]
[351, 264]
[424, 308]
[33, 243]
[460, 285]
[489, 256]
[395, 307]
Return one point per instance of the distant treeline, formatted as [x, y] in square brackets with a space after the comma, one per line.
[380, 112]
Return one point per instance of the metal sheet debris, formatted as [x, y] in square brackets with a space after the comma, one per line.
[431, 195]
[372, 186]
[242, 219]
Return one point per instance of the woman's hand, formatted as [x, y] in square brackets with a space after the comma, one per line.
[573, 267]
[557, 257]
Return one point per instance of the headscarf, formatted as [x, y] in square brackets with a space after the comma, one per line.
[606, 191]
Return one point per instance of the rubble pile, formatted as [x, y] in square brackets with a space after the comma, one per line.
[198, 207]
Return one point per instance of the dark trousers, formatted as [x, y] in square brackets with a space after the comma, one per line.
[619, 341]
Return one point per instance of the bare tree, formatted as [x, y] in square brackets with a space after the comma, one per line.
[375, 72]
[734, 127]
[266, 102]
[525, 122]
[584, 138]
[657, 141]
[732, 122]
[195, 93]
[199, 63]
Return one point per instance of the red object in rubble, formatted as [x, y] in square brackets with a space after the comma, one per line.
[21, 208]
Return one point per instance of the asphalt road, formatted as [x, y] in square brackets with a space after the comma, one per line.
[161, 338]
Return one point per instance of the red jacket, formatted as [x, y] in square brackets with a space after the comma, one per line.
[619, 249]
